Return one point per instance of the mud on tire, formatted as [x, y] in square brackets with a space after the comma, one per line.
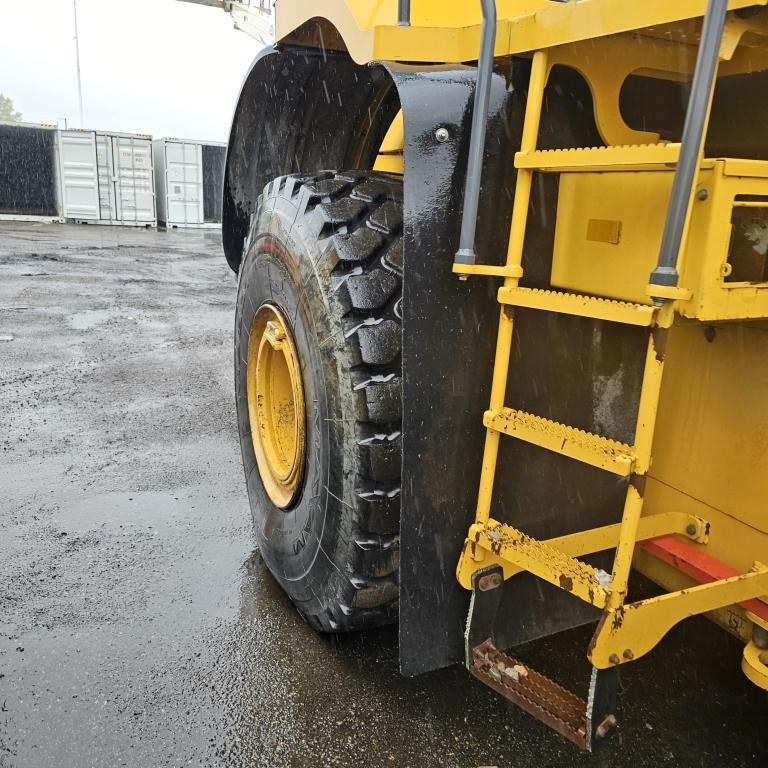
[327, 251]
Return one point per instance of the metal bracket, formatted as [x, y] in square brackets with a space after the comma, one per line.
[484, 605]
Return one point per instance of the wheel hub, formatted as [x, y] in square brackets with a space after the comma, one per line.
[276, 405]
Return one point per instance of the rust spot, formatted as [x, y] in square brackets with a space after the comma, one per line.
[618, 619]
[566, 583]
[660, 336]
[509, 312]
[638, 483]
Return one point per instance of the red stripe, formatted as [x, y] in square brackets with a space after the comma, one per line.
[698, 565]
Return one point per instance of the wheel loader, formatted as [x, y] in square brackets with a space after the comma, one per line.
[501, 339]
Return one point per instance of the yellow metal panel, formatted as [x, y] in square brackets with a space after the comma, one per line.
[449, 30]
[638, 199]
[732, 618]
[631, 631]
[621, 271]
[712, 439]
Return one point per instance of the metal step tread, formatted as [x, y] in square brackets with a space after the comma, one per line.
[605, 158]
[536, 694]
[579, 304]
[547, 562]
[586, 447]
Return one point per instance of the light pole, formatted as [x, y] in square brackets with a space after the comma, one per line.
[77, 54]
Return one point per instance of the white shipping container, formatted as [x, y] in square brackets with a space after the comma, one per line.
[107, 178]
[186, 195]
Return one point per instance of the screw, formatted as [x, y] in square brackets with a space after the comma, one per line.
[491, 581]
[628, 655]
[442, 135]
[690, 529]
[702, 194]
[614, 659]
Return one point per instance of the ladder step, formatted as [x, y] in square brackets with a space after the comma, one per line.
[587, 447]
[617, 158]
[541, 697]
[548, 563]
[579, 304]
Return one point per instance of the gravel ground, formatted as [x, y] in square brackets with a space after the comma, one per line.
[138, 626]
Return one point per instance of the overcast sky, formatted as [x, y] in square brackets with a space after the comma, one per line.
[148, 66]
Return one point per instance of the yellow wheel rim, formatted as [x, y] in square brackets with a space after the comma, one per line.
[276, 405]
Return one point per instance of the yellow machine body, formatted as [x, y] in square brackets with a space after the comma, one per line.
[699, 467]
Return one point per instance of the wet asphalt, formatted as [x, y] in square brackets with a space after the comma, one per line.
[138, 626]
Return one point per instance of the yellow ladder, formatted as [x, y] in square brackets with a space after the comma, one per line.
[610, 455]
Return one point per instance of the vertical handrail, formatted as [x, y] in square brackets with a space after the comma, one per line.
[466, 252]
[696, 118]
[404, 13]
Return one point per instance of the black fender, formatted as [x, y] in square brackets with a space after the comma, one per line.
[290, 119]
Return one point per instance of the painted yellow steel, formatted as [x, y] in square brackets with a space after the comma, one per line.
[276, 405]
[449, 30]
[576, 544]
[549, 563]
[629, 631]
[640, 156]
[754, 664]
[601, 452]
[637, 199]
[390, 157]
[488, 270]
[580, 305]
[707, 411]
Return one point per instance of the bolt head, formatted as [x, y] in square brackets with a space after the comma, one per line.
[442, 135]
[628, 655]
[614, 658]
[702, 194]
[690, 529]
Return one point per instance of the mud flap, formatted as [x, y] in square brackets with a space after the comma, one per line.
[448, 346]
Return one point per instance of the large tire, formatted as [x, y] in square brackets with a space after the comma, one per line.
[327, 252]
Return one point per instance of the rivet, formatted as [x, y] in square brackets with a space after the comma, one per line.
[442, 135]
[614, 658]
[628, 655]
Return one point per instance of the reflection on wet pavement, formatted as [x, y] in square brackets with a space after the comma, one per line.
[137, 625]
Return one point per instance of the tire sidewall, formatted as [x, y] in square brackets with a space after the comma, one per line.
[284, 266]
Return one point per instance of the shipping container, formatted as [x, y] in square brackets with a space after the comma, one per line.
[189, 180]
[30, 188]
[107, 178]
